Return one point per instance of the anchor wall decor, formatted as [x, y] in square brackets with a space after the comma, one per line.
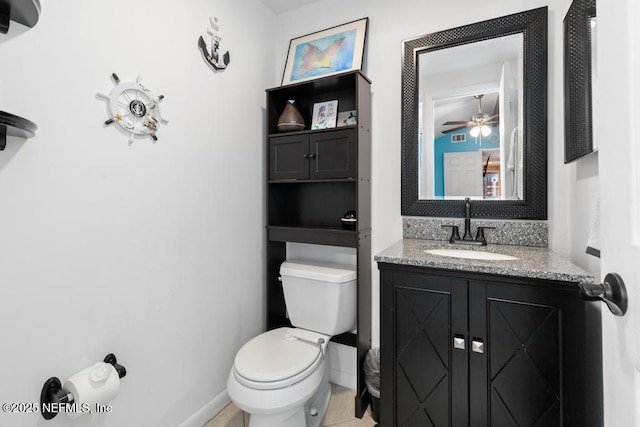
[213, 57]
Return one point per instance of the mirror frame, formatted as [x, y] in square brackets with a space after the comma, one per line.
[533, 25]
[578, 137]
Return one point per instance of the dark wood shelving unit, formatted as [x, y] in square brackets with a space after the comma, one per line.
[314, 178]
[12, 125]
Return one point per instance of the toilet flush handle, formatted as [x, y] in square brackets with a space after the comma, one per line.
[319, 342]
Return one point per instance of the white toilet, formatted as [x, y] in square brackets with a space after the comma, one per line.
[281, 377]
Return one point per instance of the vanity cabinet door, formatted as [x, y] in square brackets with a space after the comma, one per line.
[422, 372]
[530, 368]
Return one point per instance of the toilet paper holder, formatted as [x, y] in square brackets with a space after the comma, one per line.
[53, 395]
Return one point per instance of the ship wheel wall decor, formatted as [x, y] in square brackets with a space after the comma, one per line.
[134, 108]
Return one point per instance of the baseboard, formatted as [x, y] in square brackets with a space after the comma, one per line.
[208, 411]
[344, 379]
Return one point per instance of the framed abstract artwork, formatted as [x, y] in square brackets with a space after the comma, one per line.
[331, 51]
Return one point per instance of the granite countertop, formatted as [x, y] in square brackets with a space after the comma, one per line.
[532, 262]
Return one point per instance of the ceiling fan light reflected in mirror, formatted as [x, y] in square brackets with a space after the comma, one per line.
[477, 130]
[479, 123]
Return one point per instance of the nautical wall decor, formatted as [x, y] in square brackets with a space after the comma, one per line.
[134, 108]
[213, 57]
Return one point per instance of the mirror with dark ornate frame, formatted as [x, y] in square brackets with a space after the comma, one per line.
[579, 58]
[530, 31]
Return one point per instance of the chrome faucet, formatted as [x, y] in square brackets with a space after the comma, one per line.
[467, 239]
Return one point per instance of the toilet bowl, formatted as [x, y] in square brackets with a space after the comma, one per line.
[281, 377]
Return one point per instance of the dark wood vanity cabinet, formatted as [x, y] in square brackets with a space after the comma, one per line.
[477, 350]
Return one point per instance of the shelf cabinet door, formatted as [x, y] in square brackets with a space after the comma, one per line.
[333, 154]
[289, 157]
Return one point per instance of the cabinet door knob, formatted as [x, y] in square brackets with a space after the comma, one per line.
[305, 156]
[312, 156]
[458, 342]
[477, 346]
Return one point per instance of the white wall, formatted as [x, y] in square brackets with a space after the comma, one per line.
[574, 187]
[570, 187]
[152, 251]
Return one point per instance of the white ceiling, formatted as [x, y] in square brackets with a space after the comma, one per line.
[279, 6]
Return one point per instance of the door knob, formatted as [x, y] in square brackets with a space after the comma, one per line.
[477, 346]
[612, 291]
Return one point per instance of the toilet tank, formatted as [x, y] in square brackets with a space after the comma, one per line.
[320, 296]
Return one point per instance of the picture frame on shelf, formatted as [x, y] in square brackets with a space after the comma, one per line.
[325, 115]
[347, 118]
[332, 51]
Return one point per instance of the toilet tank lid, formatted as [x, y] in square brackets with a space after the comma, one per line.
[318, 270]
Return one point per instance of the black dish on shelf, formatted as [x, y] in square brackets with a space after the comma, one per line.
[349, 220]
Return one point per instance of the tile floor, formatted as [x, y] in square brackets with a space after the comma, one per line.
[339, 413]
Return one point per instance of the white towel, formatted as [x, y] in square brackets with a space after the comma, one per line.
[593, 244]
[513, 161]
[513, 141]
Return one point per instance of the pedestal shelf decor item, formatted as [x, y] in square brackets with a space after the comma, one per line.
[214, 59]
[25, 12]
[290, 119]
[11, 125]
[134, 108]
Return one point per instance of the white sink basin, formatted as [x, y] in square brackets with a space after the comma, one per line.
[466, 254]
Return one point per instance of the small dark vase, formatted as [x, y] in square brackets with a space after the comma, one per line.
[290, 119]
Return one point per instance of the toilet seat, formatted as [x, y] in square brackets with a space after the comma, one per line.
[278, 358]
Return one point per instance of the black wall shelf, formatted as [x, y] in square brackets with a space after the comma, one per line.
[315, 235]
[11, 125]
[26, 12]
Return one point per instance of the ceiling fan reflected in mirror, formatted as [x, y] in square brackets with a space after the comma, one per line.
[479, 122]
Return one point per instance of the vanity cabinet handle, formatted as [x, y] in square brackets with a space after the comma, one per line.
[477, 346]
[458, 342]
[312, 156]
